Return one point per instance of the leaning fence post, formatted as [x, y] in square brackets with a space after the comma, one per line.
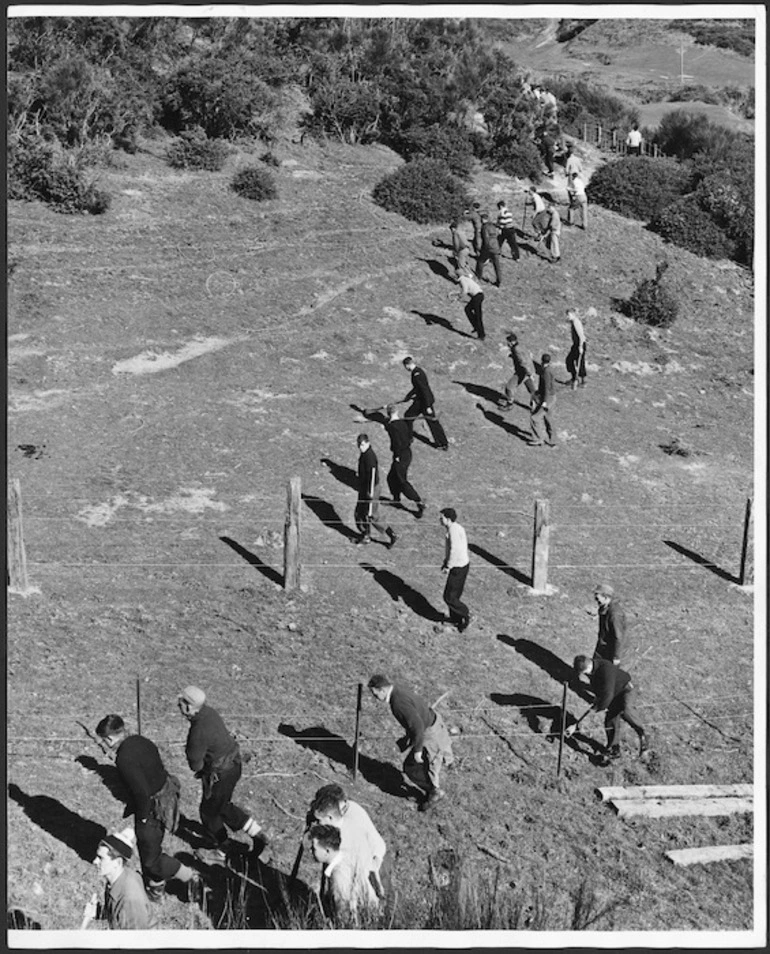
[540, 547]
[746, 572]
[138, 708]
[291, 565]
[562, 728]
[359, 694]
[17, 556]
[585, 134]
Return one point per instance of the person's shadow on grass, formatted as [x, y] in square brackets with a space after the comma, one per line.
[438, 268]
[345, 475]
[397, 589]
[328, 516]
[430, 319]
[549, 662]
[507, 426]
[80, 834]
[539, 714]
[375, 415]
[481, 390]
[319, 739]
[108, 774]
[501, 564]
[251, 558]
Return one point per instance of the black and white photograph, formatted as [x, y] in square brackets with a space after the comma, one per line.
[386, 476]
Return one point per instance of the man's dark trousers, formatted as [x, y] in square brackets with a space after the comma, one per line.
[473, 313]
[398, 477]
[485, 255]
[509, 236]
[216, 809]
[156, 865]
[453, 590]
[434, 426]
[622, 707]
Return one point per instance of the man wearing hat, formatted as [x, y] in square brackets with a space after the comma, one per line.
[154, 801]
[611, 643]
[215, 757]
[523, 372]
[125, 906]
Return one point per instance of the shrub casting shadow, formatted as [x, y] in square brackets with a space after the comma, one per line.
[109, 776]
[267, 571]
[500, 564]
[505, 425]
[328, 516]
[345, 475]
[438, 268]
[430, 319]
[549, 662]
[80, 834]
[702, 561]
[319, 739]
[19, 921]
[397, 589]
[482, 391]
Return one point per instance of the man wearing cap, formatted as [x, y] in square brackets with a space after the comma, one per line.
[401, 436]
[427, 739]
[214, 756]
[611, 643]
[523, 372]
[542, 404]
[125, 906]
[615, 695]
[154, 800]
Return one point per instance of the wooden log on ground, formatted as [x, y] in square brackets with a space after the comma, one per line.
[704, 856]
[291, 536]
[671, 807]
[674, 791]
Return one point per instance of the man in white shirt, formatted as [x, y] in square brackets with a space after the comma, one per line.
[634, 141]
[572, 162]
[346, 893]
[456, 565]
[360, 839]
[534, 199]
[576, 190]
[470, 287]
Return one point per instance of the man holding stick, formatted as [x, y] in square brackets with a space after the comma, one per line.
[615, 695]
[422, 404]
[401, 436]
[367, 510]
[523, 373]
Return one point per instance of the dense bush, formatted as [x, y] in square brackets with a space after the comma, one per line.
[638, 187]
[347, 109]
[687, 224]
[580, 102]
[39, 170]
[423, 191]
[451, 144]
[683, 134]
[519, 158]
[254, 182]
[737, 36]
[194, 150]
[652, 303]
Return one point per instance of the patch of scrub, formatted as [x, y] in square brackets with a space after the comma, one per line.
[99, 515]
[188, 499]
[395, 313]
[320, 355]
[149, 362]
[37, 401]
[643, 368]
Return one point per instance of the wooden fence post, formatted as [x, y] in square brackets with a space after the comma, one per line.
[17, 556]
[138, 707]
[599, 135]
[291, 564]
[540, 547]
[562, 728]
[746, 572]
[358, 724]
[614, 140]
[585, 133]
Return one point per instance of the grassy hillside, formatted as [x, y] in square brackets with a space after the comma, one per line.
[174, 362]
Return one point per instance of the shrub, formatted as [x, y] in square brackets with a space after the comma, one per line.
[683, 134]
[638, 187]
[580, 102]
[688, 225]
[38, 170]
[348, 109]
[423, 191]
[449, 143]
[517, 158]
[255, 183]
[652, 303]
[194, 150]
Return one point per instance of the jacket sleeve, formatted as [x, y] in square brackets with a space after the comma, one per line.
[195, 749]
[135, 778]
[616, 627]
[604, 689]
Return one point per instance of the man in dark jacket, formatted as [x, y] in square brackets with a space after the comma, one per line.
[422, 400]
[215, 757]
[154, 801]
[542, 404]
[523, 372]
[474, 214]
[367, 512]
[490, 249]
[426, 737]
[612, 625]
[400, 434]
[615, 695]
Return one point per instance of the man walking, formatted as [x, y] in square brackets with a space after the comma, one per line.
[422, 400]
[426, 737]
[400, 434]
[523, 373]
[459, 247]
[456, 565]
[577, 200]
[214, 756]
[125, 906]
[346, 894]
[490, 249]
[634, 141]
[367, 512]
[507, 231]
[534, 199]
[615, 695]
[576, 357]
[475, 216]
[473, 307]
[154, 801]
[542, 405]
[611, 643]
[360, 839]
[572, 163]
